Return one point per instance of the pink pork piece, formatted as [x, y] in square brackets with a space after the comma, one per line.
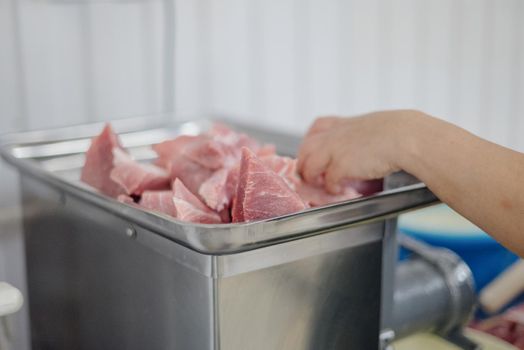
[207, 152]
[366, 187]
[160, 201]
[224, 134]
[267, 150]
[124, 198]
[214, 190]
[316, 196]
[236, 140]
[283, 166]
[192, 174]
[192, 159]
[201, 149]
[168, 150]
[99, 163]
[135, 177]
[261, 193]
[190, 208]
[232, 182]
[313, 196]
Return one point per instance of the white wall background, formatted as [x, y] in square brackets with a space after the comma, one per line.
[285, 62]
[272, 62]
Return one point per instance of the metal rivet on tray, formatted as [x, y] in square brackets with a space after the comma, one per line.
[130, 232]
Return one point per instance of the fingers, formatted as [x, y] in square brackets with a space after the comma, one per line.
[308, 146]
[315, 166]
[322, 124]
[310, 139]
[335, 173]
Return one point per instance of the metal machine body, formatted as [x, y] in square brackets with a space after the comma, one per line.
[93, 286]
[105, 275]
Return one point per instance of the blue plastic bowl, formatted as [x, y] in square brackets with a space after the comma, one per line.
[442, 227]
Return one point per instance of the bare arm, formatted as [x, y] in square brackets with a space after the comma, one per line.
[481, 180]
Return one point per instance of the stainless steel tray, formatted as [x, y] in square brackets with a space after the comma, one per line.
[56, 157]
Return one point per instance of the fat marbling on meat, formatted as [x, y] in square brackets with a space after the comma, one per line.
[218, 176]
[261, 193]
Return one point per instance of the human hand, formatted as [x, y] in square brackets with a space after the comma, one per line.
[367, 147]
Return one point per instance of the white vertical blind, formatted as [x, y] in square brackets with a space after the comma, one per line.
[282, 62]
[70, 62]
[275, 63]
[285, 62]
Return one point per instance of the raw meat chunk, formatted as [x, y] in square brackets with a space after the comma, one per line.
[508, 326]
[285, 167]
[161, 201]
[136, 177]
[99, 163]
[227, 136]
[207, 152]
[233, 139]
[190, 208]
[266, 150]
[214, 190]
[168, 150]
[201, 149]
[316, 196]
[225, 216]
[193, 159]
[232, 182]
[261, 193]
[124, 198]
[312, 195]
[218, 176]
[190, 173]
[367, 187]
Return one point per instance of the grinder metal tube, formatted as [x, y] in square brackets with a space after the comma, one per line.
[434, 291]
[421, 298]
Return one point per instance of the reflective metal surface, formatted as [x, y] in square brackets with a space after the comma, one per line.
[94, 286]
[457, 290]
[434, 292]
[57, 163]
[105, 275]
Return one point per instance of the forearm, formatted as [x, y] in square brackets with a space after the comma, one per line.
[480, 180]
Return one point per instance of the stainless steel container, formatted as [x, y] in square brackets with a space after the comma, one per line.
[105, 275]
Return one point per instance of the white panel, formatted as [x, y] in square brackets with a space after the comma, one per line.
[121, 52]
[190, 25]
[53, 63]
[498, 71]
[397, 44]
[359, 87]
[433, 89]
[278, 40]
[469, 77]
[386, 16]
[256, 60]
[516, 118]
[12, 252]
[12, 117]
[307, 63]
[322, 57]
[157, 43]
[10, 113]
[229, 53]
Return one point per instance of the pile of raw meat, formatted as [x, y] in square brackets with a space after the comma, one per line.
[220, 176]
[508, 326]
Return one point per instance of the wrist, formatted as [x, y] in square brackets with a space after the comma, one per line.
[414, 134]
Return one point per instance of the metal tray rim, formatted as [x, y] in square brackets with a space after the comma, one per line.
[230, 238]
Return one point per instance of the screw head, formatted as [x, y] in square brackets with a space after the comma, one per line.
[130, 232]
